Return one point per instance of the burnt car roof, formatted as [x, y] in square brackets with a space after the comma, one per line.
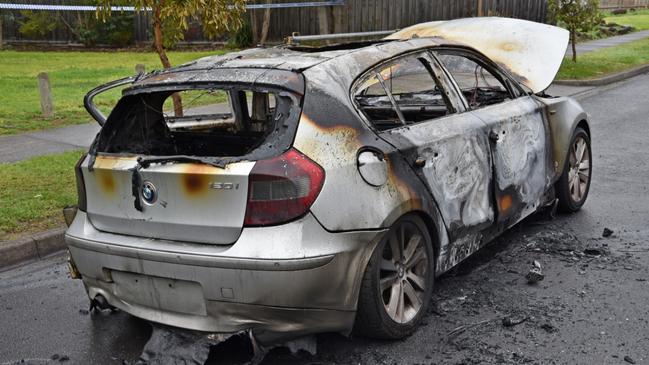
[251, 62]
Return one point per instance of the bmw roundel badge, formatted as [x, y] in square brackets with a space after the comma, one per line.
[149, 193]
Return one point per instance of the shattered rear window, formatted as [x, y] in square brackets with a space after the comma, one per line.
[203, 121]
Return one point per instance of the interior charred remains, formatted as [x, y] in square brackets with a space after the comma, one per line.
[407, 91]
[215, 121]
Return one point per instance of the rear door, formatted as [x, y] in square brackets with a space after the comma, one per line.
[516, 128]
[408, 101]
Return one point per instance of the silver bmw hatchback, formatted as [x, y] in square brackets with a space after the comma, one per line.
[294, 190]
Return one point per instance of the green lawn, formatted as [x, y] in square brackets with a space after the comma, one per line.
[638, 19]
[605, 61]
[34, 192]
[71, 74]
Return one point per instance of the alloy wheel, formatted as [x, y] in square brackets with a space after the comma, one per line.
[579, 169]
[404, 273]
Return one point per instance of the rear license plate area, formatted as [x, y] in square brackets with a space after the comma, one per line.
[170, 295]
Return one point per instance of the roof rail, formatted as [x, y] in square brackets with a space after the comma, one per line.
[296, 38]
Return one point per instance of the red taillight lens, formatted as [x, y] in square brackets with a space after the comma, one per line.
[282, 188]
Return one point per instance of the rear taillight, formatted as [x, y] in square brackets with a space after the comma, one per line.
[282, 188]
[81, 187]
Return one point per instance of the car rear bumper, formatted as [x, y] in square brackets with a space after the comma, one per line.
[279, 282]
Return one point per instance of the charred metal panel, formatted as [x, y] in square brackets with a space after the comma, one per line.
[517, 133]
[194, 77]
[456, 168]
[531, 51]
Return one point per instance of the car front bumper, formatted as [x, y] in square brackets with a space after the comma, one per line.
[278, 282]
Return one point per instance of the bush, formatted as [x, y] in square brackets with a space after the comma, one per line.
[117, 31]
[242, 38]
[37, 24]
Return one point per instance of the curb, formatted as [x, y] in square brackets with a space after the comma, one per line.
[620, 76]
[34, 247]
[595, 90]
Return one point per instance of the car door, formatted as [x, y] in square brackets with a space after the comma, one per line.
[409, 103]
[517, 133]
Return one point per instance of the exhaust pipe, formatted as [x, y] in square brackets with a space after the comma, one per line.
[100, 303]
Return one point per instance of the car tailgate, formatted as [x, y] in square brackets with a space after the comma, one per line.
[192, 202]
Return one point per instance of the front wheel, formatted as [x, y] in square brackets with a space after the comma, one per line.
[574, 183]
[398, 282]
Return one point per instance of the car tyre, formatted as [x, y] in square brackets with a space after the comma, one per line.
[396, 288]
[574, 184]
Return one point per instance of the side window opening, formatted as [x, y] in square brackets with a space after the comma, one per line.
[401, 92]
[479, 85]
[213, 122]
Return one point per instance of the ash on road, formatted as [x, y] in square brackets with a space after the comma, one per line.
[590, 306]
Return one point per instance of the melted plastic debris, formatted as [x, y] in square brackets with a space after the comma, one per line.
[174, 346]
[308, 344]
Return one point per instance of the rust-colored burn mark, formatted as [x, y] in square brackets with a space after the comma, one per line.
[114, 162]
[196, 179]
[405, 191]
[106, 181]
[505, 203]
[318, 136]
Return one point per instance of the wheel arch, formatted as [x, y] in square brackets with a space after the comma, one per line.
[433, 231]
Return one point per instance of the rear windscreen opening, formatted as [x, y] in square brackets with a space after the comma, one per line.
[201, 121]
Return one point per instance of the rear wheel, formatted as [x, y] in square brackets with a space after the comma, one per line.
[574, 183]
[398, 282]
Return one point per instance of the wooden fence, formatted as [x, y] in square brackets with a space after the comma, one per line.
[371, 15]
[352, 16]
[623, 4]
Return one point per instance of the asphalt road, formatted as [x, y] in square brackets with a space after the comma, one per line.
[590, 309]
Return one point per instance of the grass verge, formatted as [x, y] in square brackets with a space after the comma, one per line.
[72, 74]
[606, 61]
[638, 19]
[34, 192]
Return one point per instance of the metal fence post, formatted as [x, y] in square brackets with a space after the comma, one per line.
[45, 90]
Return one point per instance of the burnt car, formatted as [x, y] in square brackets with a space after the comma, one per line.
[323, 189]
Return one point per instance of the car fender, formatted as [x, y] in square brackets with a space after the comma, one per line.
[564, 114]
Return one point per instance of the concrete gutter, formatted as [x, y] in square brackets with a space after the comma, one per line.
[606, 79]
[34, 247]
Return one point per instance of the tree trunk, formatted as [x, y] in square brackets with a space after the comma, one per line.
[265, 25]
[254, 28]
[573, 40]
[160, 49]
